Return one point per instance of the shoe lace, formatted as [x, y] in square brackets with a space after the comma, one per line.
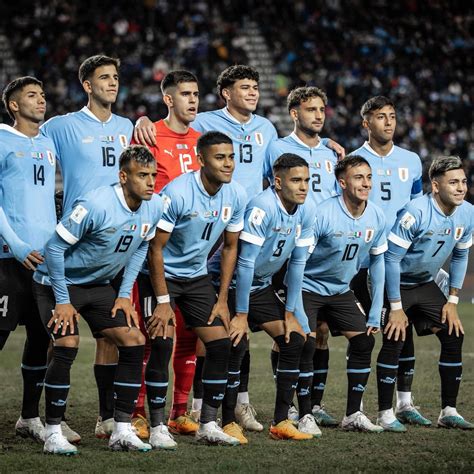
[250, 411]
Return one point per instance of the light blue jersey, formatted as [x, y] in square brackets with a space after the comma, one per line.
[88, 150]
[321, 161]
[250, 140]
[271, 235]
[423, 238]
[27, 179]
[342, 244]
[196, 220]
[99, 236]
[396, 179]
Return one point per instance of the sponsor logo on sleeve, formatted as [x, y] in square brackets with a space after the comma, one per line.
[78, 214]
[256, 216]
[407, 220]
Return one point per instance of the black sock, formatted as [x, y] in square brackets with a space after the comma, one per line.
[156, 378]
[104, 379]
[57, 383]
[233, 382]
[387, 366]
[245, 371]
[33, 369]
[406, 363]
[320, 374]
[3, 338]
[197, 382]
[305, 380]
[450, 366]
[128, 378]
[358, 370]
[214, 377]
[274, 355]
[287, 373]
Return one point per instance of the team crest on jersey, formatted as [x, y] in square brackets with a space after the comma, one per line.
[458, 233]
[329, 166]
[123, 141]
[50, 156]
[407, 220]
[78, 214]
[298, 231]
[369, 235]
[145, 228]
[256, 216]
[226, 213]
[259, 138]
[403, 174]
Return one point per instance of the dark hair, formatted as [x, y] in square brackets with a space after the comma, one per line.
[15, 86]
[232, 74]
[138, 153]
[349, 162]
[443, 164]
[375, 103]
[212, 138]
[287, 161]
[302, 94]
[87, 68]
[174, 78]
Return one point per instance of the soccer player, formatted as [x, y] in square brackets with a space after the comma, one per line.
[27, 180]
[89, 143]
[105, 231]
[200, 207]
[278, 226]
[175, 154]
[307, 108]
[427, 232]
[348, 230]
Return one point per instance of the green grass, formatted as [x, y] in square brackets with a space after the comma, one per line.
[420, 449]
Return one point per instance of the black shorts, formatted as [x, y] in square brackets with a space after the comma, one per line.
[342, 312]
[195, 297]
[17, 304]
[93, 302]
[360, 287]
[146, 296]
[264, 307]
[422, 305]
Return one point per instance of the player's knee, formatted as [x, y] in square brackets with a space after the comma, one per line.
[218, 350]
[362, 344]
[322, 336]
[308, 349]
[450, 343]
[240, 349]
[64, 355]
[69, 341]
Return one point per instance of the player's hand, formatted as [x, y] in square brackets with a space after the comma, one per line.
[396, 326]
[126, 306]
[145, 132]
[238, 328]
[292, 325]
[372, 330]
[336, 148]
[63, 317]
[220, 310]
[32, 260]
[449, 315]
[160, 319]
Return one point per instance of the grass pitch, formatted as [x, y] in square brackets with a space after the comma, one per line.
[418, 450]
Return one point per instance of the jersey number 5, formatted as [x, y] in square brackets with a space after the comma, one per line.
[385, 190]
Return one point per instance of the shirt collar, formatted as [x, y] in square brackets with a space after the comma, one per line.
[231, 117]
[346, 211]
[302, 143]
[439, 210]
[197, 177]
[280, 204]
[88, 112]
[371, 150]
[10, 129]
[121, 196]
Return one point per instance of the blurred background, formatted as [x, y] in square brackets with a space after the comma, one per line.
[419, 53]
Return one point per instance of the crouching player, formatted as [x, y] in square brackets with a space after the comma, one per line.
[428, 230]
[348, 230]
[105, 231]
[278, 226]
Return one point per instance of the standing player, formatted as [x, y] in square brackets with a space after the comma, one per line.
[89, 143]
[27, 179]
[307, 108]
[105, 231]
[349, 229]
[278, 226]
[427, 232]
[175, 154]
[200, 207]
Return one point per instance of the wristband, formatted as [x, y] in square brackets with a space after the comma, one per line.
[396, 305]
[453, 299]
[163, 299]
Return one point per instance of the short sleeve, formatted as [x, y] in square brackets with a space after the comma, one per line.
[172, 205]
[74, 225]
[405, 227]
[256, 223]
[236, 222]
